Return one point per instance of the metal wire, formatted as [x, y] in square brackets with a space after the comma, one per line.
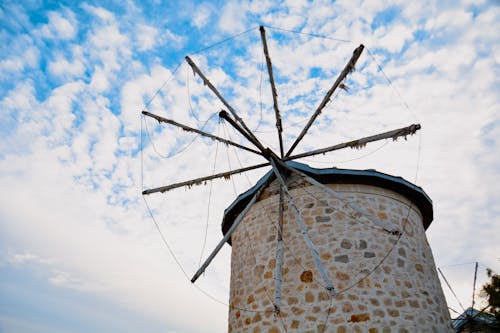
[309, 34]
[209, 200]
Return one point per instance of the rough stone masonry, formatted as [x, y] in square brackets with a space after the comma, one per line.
[383, 282]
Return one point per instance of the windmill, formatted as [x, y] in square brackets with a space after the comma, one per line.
[278, 183]
[471, 319]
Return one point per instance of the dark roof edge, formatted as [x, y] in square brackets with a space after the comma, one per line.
[341, 176]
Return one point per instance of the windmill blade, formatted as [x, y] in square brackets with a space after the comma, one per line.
[273, 89]
[474, 286]
[451, 289]
[279, 255]
[207, 82]
[194, 130]
[224, 115]
[200, 180]
[360, 211]
[395, 134]
[347, 69]
[303, 229]
[228, 234]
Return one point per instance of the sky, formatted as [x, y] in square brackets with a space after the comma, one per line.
[82, 250]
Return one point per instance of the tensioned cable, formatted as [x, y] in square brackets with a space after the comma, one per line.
[391, 84]
[196, 52]
[146, 105]
[165, 242]
[191, 110]
[461, 264]
[209, 200]
[223, 41]
[405, 222]
[180, 150]
[309, 34]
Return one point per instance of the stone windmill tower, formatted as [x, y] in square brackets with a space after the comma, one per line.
[324, 250]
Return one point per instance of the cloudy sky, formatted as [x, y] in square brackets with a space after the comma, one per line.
[79, 248]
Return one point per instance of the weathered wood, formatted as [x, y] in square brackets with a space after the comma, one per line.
[198, 181]
[347, 69]
[209, 84]
[224, 115]
[278, 279]
[360, 143]
[303, 230]
[228, 234]
[197, 131]
[273, 89]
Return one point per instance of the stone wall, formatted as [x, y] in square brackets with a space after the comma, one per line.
[384, 283]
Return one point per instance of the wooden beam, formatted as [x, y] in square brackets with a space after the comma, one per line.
[224, 115]
[303, 230]
[209, 84]
[273, 89]
[228, 234]
[198, 181]
[360, 143]
[347, 69]
[197, 131]
[278, 276]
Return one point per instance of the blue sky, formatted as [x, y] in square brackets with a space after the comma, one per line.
[78, 250]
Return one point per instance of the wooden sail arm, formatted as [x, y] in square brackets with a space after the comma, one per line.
[303, 230]
[197, 131]
[347, 69]
[360, 143]
[280, 247]
[228, 234]
[273, 89]
[224, 115]
[201, 180]
[209, 84]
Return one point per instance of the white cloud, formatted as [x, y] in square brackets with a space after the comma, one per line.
[99, 82]
[146, 37]
[172, 40]
[100, 12]
[27, 58]
[393, 38]
[60, 25]
[71, 150]
[232, 18]
[62, 67]
[202, 15]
